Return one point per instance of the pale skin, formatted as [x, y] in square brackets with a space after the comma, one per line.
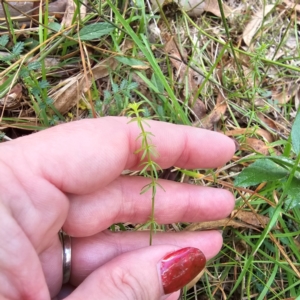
[69, 177]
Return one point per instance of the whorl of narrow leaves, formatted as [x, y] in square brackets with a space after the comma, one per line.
[148, 151]
[147, 148]
[146, 143]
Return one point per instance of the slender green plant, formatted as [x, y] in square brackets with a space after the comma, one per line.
[149, 166]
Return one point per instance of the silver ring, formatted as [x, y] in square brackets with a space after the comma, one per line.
[66, 255]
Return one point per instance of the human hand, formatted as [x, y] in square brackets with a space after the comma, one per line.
[69, 176]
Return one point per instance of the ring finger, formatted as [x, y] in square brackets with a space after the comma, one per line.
[90, 253]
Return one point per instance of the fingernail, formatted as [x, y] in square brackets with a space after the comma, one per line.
[180, 267]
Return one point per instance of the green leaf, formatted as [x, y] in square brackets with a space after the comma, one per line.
[4, 40]
[295, 134]
[98, 106]
[42, 105]
[18, 48]
[134, 106]
[43, 84]
[49, 101]
[298, 298]
[119, 100]
[260, 171]
[132, 85]
[123, 84]
[31, 43]
[126, 93]
[54, 26]
[7, 57]
[293, 192]
[115, 87]
[155, 80]
[160, 111]
[35, 91]
[146, 112]
[24, 72]
[95, 31]
[133, 62]
[35, 65]
[144, 46]
[2, 135]
[107, 95]
[146, 188]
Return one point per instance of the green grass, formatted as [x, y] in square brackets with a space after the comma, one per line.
[256, 262]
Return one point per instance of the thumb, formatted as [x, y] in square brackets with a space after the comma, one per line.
[150, 273]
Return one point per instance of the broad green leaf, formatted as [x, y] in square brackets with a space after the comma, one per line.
[293, 195]
[133, 62]
[291, 202]
[95, 31]
[260, 171]
[54, 26]
[295, 134]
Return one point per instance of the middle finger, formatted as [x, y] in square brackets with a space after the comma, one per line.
[121, 201]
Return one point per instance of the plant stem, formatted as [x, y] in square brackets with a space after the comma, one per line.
[149, 165]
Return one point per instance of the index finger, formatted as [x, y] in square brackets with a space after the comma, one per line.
[82, 156]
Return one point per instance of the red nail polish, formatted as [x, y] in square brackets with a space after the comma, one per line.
[180, 267]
